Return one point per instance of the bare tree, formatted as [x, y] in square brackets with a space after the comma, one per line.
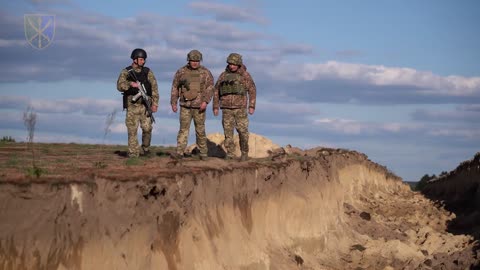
[108, 123]
[30, 119]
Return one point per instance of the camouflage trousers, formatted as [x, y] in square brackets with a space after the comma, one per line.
[136, 116]
[238, 119]
[186, 116]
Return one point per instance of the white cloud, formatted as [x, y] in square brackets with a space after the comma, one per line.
[353, 127]
[342, 125]
[119, 128]
[87, 106]
[461, 114]
[84, 105]
[393, 127]
[426, 83]
[468, 133]
[14, 102]
[463, 85]
[13, 42]
[470, 107]
[229, 12]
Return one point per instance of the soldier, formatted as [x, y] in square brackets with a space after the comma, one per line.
[193, 85]
[136, 111]
[235, 91]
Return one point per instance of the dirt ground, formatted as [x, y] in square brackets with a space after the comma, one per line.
[39, 161]
[72, 206]
[74, 162]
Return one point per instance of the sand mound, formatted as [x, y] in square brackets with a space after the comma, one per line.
[259, 146]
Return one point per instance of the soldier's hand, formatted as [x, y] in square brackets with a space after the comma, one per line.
[174, 108]
[154, 108]
[134, 84]
[215, 112]
[251, 110]
[203, 106]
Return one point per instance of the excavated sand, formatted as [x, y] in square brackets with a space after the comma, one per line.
[259, 146]
[315, 209]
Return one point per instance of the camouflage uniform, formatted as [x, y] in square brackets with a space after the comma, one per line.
[136, 112]
[200, 82]
[234, 106]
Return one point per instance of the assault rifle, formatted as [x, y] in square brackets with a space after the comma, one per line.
[142, 92]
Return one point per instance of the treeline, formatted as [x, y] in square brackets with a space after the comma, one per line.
[7, 139]
[424, 180]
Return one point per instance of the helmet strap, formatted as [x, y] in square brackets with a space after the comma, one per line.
[135, 61]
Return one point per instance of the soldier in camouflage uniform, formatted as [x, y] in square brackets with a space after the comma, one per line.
[136, 111]
[193, 86]
[234, 93]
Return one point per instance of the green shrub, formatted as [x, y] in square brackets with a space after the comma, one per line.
[100, 165]
[133, 161]
[36, 171]
[423, 181]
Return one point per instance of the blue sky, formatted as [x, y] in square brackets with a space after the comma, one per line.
[396, 80]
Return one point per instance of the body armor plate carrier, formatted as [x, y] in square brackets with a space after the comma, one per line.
[190, 85]
[232, 85]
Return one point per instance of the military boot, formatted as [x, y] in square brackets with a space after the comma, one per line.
[176, 156]
[244, 157]
[146, 153]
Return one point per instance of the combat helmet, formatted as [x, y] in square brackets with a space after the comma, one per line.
[194, 55]
[235, 59]
[138, 53]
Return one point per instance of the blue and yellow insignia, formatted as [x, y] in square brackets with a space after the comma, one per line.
[39, 30]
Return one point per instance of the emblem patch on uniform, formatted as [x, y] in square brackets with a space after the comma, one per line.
[39, 30]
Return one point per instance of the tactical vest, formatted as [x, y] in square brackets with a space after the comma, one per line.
[232, 84]
[142, 76]
[191, 84]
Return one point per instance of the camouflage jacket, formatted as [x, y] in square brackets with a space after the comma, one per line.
[206, 87]
[236, 101]
[123, 84]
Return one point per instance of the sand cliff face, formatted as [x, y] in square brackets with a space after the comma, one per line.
[459, 192]
[315, 209]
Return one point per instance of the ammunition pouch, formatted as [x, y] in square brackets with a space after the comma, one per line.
[232, 85]
[125, 101]
[129, 92]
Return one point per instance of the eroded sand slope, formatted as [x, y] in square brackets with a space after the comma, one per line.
[316, 209]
